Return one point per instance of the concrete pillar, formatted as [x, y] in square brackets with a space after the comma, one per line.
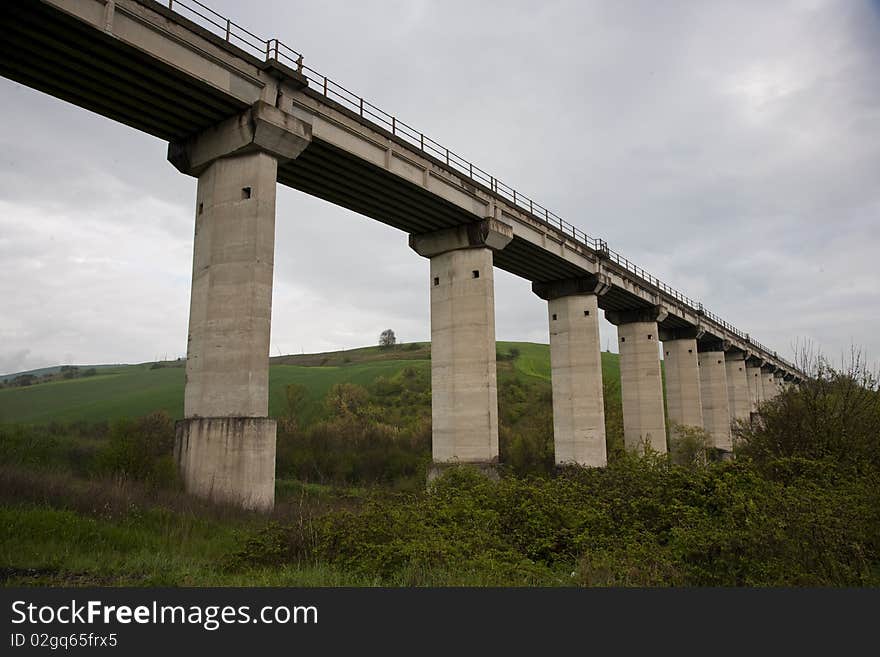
[464, 388]
[576, 370]
[738, 398]
[225, 446]
[768, 382]
[713, 392]
[756, 387]
[644, 421]
[779, 382]
[683, 404]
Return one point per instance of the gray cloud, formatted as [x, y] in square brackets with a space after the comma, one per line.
[730, 148]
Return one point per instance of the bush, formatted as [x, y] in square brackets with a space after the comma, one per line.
[639, 522]
[141, 449]
[834, 414]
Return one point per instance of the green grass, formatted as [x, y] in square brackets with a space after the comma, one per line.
[148, 547]
[135, 390]
[124, 392]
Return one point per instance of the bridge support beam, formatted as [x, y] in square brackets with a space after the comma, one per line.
[683, 403]
[225, 446]
[464, 387]
[713, 392]
[576, 370]
[737, 385]
[644, 421]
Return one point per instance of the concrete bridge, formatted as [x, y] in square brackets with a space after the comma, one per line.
[241, 113]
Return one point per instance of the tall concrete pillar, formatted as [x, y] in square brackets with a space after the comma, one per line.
[738, 398]
[756, 384]
[683, 403]
[576, 370]
[225, 446]
[768, 381]
[644, 421]
[464, 388]
[713, 393]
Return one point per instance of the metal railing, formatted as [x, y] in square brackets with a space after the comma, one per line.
[269, 49]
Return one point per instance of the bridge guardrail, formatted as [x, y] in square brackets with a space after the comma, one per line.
[267, 49]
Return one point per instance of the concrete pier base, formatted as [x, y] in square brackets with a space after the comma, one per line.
[464, 388]
[683, 402]
[644, 421]
[713, 393]
[575, 372]
[488, 470]
[228, 459]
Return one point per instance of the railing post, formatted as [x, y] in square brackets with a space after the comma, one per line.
[393, 125]
[361, 106]
[228, 28]
[325, 85]
[422, 141]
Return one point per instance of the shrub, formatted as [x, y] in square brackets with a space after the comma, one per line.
[141, 449]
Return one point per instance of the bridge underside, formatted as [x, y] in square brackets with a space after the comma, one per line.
[45, 49]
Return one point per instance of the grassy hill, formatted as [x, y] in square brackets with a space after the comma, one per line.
[134, 390]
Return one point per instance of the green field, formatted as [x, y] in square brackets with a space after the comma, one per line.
[135, 390]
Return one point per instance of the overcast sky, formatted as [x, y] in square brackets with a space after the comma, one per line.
[732, 149]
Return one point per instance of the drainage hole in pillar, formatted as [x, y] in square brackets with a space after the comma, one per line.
[436, 280]
[245, 192]
[201, 208]
[586, 313]
[554, 317]
[650, 337]
[475, 273]
[623, 339]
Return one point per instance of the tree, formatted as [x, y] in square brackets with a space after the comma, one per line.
[346, 400]
[387, 339]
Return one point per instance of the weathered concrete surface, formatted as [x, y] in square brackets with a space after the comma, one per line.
[768, 381]
[226, 445]
[644, 421]
[576, 375]
[779, 382]
[227, 367]
[755, 382]
[228, 459]
[260, 128]
[464, 388]
[713, 393]
[737, 385]
[683, 402]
